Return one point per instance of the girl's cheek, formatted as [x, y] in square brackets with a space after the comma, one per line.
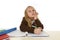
[30, 15]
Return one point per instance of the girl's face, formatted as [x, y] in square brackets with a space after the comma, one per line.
[31, 12]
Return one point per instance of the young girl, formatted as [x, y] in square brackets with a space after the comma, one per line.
[30, 22]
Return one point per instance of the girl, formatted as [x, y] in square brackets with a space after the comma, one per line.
[30, 22]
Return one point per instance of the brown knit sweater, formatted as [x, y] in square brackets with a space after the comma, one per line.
[25, 28]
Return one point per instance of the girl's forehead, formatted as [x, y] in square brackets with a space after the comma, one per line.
[30, 8]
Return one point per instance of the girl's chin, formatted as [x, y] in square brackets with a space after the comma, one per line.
[31, 18]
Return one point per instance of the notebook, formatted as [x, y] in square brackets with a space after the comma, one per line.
[7, 31]
[5, 36]
[18, 33]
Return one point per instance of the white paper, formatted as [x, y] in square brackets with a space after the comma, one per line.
[18, 33]
[42, 34]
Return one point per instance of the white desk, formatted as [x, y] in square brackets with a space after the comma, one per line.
[53, 35]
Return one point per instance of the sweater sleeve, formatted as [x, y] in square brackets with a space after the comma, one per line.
[39, 24]
[25, 28]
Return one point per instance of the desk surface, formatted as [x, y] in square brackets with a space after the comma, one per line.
[53, 35]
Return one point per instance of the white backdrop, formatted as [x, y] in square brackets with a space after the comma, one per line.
[12, 12]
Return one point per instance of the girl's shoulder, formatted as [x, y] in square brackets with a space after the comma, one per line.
[24, 20]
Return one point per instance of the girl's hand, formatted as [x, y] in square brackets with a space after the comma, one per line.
[35, 16]
[40, 28]
[37, 30]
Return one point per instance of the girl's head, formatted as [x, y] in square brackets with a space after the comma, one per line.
[29, 14]
[30, 11]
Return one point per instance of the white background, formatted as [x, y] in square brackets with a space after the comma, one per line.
[12, 12]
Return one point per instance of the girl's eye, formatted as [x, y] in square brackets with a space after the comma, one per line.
[29, 11]
[33, 10]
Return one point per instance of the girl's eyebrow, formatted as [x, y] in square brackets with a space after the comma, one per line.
[33, 10]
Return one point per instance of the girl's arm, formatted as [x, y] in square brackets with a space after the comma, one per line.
[39, 24]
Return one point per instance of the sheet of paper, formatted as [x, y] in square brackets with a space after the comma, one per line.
[18, 33]
[42, 34]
